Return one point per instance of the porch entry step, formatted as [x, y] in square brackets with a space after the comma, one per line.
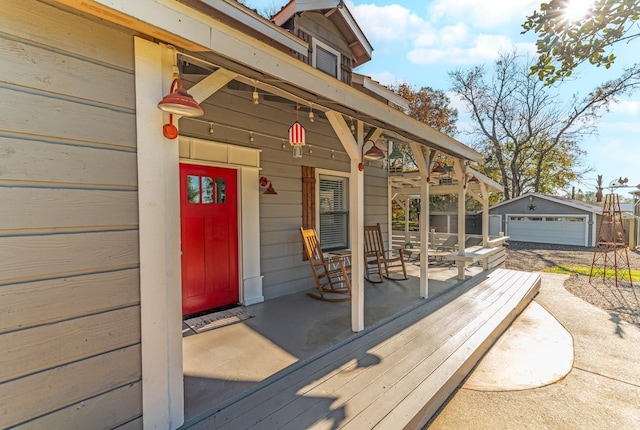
[392, 376]
[216, 320]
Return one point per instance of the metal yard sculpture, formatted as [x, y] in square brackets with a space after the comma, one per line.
[610, 255]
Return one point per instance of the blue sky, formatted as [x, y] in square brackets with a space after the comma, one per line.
[419, 42]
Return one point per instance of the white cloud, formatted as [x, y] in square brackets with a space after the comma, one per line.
[393, 27]
[385, 78]
[387, 23]
[482, 14]
[628, 107]
[482, 49]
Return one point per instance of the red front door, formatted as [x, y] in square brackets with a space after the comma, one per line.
[209, 235]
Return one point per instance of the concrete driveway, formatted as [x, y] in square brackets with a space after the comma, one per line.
[600, 391]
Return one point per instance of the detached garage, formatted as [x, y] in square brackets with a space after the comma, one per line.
[542, 218]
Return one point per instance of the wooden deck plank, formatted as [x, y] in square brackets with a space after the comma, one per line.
[434, 371]
[294, 385]
[415, 410]
[428, 338]
[359, 378]
[275, 399]
[370, 406]
[350, 385]
[318, 367]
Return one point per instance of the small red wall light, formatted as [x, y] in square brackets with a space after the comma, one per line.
[374, 153]
[178, 102]
[270, 190]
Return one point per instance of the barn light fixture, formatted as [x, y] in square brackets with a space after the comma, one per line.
[439, 170]
[396, 161]
[264, 182]
[374, 153]
[178, 102]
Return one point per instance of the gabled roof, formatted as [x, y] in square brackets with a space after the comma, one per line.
[338, 13]
[577, 204]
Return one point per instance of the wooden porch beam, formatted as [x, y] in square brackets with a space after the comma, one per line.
[211, 84]
[356, 213]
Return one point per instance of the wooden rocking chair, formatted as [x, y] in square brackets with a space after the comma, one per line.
[378, 261]
[331, 275]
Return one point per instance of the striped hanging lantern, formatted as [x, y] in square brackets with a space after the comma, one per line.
[297, 134]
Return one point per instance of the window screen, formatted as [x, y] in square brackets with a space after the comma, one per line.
[334, 212]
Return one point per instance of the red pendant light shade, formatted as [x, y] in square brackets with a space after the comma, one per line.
[180, 102]
[374, 153]
[439, 170]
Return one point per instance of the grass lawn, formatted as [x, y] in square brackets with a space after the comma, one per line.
[586, 271]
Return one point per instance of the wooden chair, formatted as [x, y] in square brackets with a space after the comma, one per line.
[378, 261]
[331, 275]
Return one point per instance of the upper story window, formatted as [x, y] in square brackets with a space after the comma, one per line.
[326, 59]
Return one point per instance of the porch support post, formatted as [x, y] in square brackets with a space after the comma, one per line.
[159, 215]
[407, 206]
[458, 169]
[485, 214]
[356, 214]
[424, 166]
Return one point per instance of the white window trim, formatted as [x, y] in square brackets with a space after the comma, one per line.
[314, 44]
[326, 172]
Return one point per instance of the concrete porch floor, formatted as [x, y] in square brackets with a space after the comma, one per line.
[228, 361]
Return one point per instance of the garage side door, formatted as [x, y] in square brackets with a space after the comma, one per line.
[563, 230]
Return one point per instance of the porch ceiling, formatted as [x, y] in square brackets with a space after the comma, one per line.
[408, 185]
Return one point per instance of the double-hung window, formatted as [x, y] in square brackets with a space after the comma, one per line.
[333, 206]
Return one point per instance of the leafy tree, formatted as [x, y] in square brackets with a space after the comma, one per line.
[563, 43]
[429, 106]
[529, 134]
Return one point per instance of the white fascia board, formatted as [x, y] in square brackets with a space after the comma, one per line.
[492, 185]
[249, 18]
[591, 209]
[380, 90]
[167, 17]
[346, 15]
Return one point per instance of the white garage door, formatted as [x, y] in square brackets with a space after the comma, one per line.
[564, 230]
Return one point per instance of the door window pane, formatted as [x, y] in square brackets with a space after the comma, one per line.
[207, 190]
[193, 189]
[221, 190]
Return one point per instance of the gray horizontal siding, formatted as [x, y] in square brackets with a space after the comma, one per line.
[69, 278]
[283, 269]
